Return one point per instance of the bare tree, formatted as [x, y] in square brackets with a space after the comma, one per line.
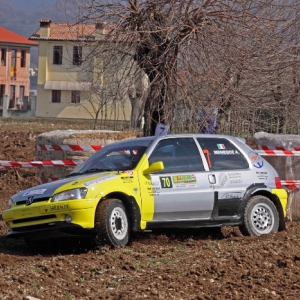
[234, 54]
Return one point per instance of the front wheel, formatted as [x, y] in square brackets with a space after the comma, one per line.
[111, 223]
[260, 217]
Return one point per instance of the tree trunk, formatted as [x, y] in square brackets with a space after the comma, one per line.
[162, 75]
[222, 115]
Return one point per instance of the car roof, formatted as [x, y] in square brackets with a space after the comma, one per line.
[198, 135]
[149, 139]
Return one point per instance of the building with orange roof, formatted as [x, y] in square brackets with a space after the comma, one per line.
[69, 85]
[14, 69]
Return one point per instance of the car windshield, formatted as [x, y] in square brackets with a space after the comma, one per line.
[115, 157]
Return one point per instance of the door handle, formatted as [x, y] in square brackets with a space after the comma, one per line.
[212, 179]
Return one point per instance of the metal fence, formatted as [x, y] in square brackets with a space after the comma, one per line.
[240, 122]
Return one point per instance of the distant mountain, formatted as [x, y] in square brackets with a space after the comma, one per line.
[17, 16]
[30, 5]
[22, 17]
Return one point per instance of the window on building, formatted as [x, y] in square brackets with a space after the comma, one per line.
[75, 97]
[77, 55]
[23, 58]
[12, 97]
[56, 96]
[13, 57]
[3, 57]
[2, 92]
[21, 92]
[57, 55]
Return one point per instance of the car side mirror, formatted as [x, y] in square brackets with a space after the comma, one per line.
[155, 167]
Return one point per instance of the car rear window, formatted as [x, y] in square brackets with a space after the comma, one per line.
[221, 154]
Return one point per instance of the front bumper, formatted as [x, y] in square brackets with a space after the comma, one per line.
[81, 213]
[52, 230]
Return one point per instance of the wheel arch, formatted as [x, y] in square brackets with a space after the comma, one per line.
[131, 207]
[261, 190]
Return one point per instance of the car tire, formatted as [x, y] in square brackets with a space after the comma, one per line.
[112, 223]
[260, 217]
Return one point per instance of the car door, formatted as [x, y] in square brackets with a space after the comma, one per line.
[231, 171]
[182, 191]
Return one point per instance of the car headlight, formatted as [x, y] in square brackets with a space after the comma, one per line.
[10, 203]
[79, 193]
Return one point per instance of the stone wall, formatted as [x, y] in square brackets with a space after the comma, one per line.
[288, 167]
[72, 137]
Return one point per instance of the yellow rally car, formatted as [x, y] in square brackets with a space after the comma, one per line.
[172, 181]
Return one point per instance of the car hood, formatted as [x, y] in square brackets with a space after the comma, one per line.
[47, 190]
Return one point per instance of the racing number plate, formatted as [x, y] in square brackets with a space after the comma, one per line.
[59, 207]
[166, 182]
[26, 212]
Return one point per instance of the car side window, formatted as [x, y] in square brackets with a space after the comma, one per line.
[221, 154]
[178, 155]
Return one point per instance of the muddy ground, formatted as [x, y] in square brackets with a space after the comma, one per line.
[181, 264]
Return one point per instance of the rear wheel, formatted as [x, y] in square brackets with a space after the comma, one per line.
[260, 217]
[111, 223]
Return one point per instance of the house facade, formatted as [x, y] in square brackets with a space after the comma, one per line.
[71, 79]
[14, 70]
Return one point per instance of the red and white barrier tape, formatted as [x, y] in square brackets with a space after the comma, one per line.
[43, 163]
[69, 147]
[277, 151]
[291, 184]
[277, 148]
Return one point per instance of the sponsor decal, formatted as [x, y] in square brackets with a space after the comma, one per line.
[235, 178]
[232, 195]
[235, 181]
[59, 207]
[256, 159]
[98, 180]
[234, 175]
[153, 183]
[223, 179]
[221, 146]
[126, 177]
[35, 192]
[262, 175]
[128, 172]
[226, 152]
[183, 181]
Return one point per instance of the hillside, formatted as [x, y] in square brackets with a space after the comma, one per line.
[30, 5]
[23, 17]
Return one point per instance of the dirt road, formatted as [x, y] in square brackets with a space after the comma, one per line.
[183, 264]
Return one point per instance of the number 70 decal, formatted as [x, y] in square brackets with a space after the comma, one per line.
[166, 182]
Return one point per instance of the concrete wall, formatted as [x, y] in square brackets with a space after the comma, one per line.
[288, 167]
[71, 137]
[26, 111]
